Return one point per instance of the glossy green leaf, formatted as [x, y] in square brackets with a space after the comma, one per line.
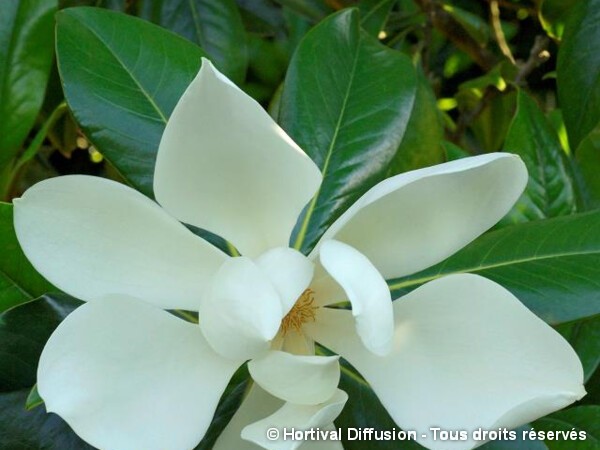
[122, 77]
[24, 331]
[33, 399]
[228, 405]
[488, 95]
[580, 418]
[364, 410]
[215, 25]
[549, 192]
[588, 165]
[421, 145]
[474, 25]
[19, 281]
[578, 70]
[26, 51]
[21, 429]
[453, 151]
[552, 266]
[314, 10]
[491, 125]
[518, 444]
[374, 14]
[584, 337]
[552, 14]
[346, 101]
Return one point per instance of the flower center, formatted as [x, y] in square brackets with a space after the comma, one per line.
[303, 311]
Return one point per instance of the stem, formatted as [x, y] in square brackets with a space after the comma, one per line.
[13, 171]
[537, 56]
[498, 33]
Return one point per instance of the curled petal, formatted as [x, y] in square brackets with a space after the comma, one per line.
[241, 312]
[93, 237]
[127, 375]
[290, 273]
[469, 350]
[257, 405]
[304, 380]
[367, 291]
[299, 417]
[224, 165]
[416, 219]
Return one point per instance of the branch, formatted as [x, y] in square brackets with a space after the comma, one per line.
[537, 56]
[455, 32]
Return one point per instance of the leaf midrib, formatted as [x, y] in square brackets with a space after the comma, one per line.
[311, 208]
[145, 93]
[11, 280]
[483, 267]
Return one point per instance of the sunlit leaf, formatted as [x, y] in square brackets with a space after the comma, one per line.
[347, 101]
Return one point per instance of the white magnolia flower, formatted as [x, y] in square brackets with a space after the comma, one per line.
[460, 352]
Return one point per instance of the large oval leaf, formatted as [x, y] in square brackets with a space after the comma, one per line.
[122, 77]
[19, 281]
[549, 191]
[578, 70]
[346, 102]
[421, 145]
[26, 51]
[552, 266]
[215, 25]
[33, 430]
[23, 334]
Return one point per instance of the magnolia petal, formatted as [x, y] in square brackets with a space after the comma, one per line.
[257, 405]
[299, 417]
[469, 350]
[224, 165]
[367, 291]
[304, 380]
[290, 273]
[242, 311]
[413, 220]
[93, 237]
[127, 375]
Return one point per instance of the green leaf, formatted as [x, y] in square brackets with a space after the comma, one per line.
[19, 281]
[581, 418]
[215, 25]
[421, 145]
[314, 10]
[552, 266]
[122, 77]
[578, 70]
[364, 410]
[552, 14]
[24, 331]
[474, 25]
[584, 337]
[374, 14]
[33, 399]
[346, 101]
[228, 405]
[549, 191]
[26, 51]
[518, 444]
[588, 165]
[33, 430]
